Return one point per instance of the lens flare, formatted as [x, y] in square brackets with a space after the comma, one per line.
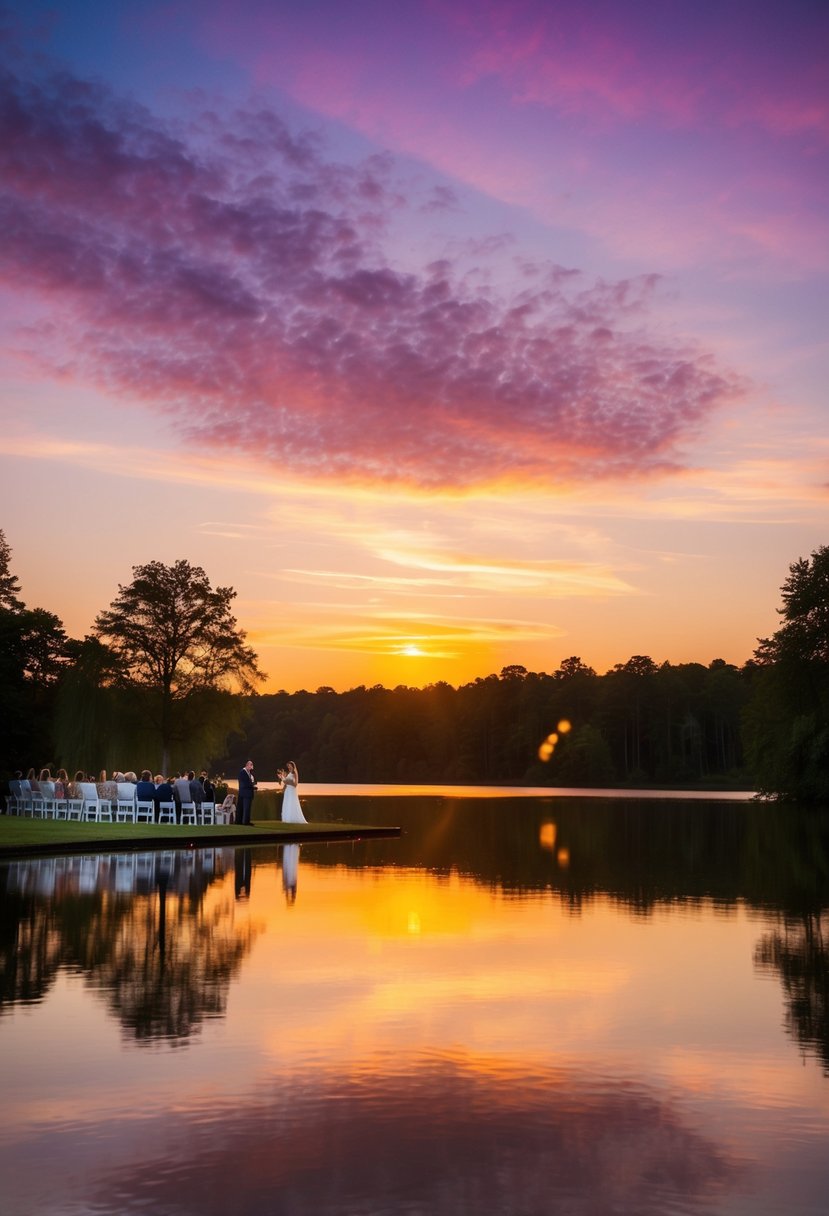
[547, 748]
[547, 835]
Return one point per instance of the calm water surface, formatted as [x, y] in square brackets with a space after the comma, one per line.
[521, 1005]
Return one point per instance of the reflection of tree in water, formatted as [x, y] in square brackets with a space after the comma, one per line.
[169, 967]
[798, 953]
[163, 960]
[30, 950]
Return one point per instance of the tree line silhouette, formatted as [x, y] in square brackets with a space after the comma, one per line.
[641, 723]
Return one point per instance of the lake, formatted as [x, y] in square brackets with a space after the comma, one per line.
[523, 1005]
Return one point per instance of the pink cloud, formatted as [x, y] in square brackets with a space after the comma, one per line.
[234, 276]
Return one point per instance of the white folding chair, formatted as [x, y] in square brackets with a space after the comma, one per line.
[125, 806]
[92, 811]
[144, 811]
[47, 800]
[167, 812]
[74, 808]
[188, 813]
[208, 812]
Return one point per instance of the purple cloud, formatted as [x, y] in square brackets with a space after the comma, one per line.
[234, 275]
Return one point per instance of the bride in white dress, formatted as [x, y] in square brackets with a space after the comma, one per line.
[291, 810]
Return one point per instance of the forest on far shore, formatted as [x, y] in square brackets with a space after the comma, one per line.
[640, 724]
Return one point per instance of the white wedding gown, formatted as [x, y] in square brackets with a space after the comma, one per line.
[291, 810]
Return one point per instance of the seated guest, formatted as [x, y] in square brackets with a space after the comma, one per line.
[208, 789]
[145, 789]
[45, 783]
[164, 792]
[131, 778]
[182, 788]
[32, 782]
[107, 790]
[61, 785]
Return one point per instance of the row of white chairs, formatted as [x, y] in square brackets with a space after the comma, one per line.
[89, 807]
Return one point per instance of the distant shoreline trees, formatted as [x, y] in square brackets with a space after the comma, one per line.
[640, 724]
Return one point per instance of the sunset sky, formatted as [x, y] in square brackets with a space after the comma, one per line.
[451, 334]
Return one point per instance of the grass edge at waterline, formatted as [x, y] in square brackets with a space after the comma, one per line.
[20, 837]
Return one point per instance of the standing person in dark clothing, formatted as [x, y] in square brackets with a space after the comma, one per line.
[247, 789]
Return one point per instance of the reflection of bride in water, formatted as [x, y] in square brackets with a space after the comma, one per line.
[291, 809]
[290, 866]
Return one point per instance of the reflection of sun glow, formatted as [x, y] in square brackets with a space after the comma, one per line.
[547, 835]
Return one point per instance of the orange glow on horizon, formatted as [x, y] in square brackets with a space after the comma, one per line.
[379, 591]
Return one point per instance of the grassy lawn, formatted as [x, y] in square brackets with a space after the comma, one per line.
[19, 835]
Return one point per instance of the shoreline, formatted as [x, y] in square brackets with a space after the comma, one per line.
[388, 789]
[19, 837]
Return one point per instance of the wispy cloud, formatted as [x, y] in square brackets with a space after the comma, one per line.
[233, 276]
[462, 575]
[384, 633]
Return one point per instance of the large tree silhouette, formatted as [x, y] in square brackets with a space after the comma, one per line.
[788, 718]
[178, 647]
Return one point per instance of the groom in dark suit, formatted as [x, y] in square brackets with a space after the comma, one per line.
[247, 788]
